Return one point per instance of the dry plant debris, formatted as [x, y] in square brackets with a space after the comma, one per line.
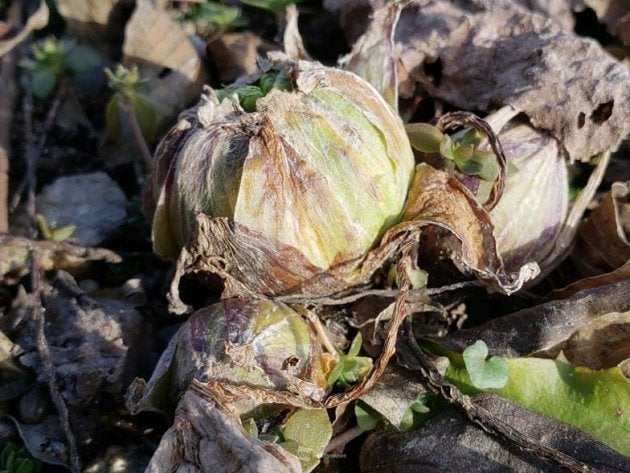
[396, 235]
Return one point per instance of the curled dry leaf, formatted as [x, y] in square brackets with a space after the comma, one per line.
[36, 21]
[44, 440]
[15, 257]
[450, 442]
[208, 436]
[164, 55]
[544, 327]
[482, 64]
[234, 54]
[603, 242]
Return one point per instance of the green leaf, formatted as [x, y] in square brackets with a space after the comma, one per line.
[250, 426]
[424, 137]
[305, 433]
[112, 118]
[146, 116]
[489, 166]
[485, 374]
[469, 166]
[44, 82]
[596, 401]
[6, 453]
[82, 59]
[447, 148]
[63, 233]
[335, 373]
[276, 6]
[248, 95]
[367, 418]
[355, 346]
[26, 466]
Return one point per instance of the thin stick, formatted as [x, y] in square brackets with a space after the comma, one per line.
[8, 94]
[319, 329]
[48, 367]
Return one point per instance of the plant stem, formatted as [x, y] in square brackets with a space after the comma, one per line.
[136, 131]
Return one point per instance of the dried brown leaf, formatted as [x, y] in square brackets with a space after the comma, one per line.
[450, 442]
[601, 343]
[15, 253]
[208, 436]
[465, 232]
[234, 55]
[88, 340]
[603, 242]
[544, 327]
[373, 57]
[36, 21]
[161, 50]
[490, 54]
[292, 40]
[98, 22]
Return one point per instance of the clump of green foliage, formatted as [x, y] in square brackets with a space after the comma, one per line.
[55, 58]
[14, 459]
[221, 18]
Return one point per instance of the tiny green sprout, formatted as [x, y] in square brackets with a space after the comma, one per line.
[129, 102]
[14, 459]
[350, 368]
[222, 17]
[48, 232]
[463, 151]
[53, 59]
[276, 6]
[485, 373]
[249, 94]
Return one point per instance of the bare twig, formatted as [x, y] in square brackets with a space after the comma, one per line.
[34, 146]
[418, 360]
[48, 367]
[8, 91]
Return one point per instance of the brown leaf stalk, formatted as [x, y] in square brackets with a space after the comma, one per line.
[136, 131]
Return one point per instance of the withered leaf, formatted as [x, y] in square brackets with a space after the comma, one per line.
[544, 327]
[443, 203]
[603, 242]
[36, 21]
[161, 50]
[207, 436]
[373, 58]
[486, 54]
[450, 442]
[98, 22]
[15, 257]
[601, 343]
[88, 339]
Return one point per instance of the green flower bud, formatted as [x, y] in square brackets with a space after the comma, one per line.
[318, 161]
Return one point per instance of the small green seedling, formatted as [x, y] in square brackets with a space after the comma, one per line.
[53, 59]
[464, 152]
[129, 102]
[485, 374]
[367, 418]
[223, 18]
[48, 232]
[14, 459]
[350, 368]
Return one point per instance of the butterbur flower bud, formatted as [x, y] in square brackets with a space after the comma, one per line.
[307, 155]
[533, 207]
